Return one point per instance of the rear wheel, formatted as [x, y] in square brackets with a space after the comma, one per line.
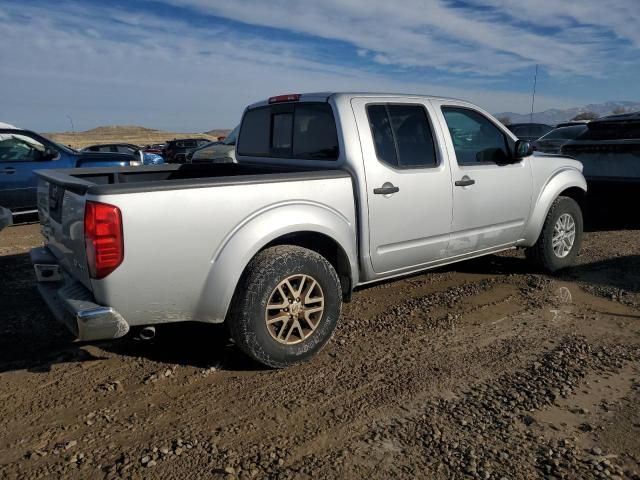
[286, 307]
[561, 236]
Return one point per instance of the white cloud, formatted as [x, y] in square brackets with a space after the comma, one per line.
[503, 38]
[106, 65]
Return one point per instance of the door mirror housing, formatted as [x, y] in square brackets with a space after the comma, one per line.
[49, 153]
[522, 149]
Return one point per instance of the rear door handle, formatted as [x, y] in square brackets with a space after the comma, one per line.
[9, 170]
[465, 182]
[386, 189]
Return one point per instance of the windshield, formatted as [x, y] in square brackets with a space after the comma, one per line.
[65, 148]
[565, 133]
[530, 130]
[231, 138]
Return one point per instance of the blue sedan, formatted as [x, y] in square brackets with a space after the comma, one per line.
[23, 151]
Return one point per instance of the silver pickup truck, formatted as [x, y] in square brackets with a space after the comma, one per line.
[332, 191]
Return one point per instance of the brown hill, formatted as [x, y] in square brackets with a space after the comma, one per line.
[218, 132]
[121, 134]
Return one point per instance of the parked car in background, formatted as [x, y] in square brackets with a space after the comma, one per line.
[23, 152]
[330, 192]
[553, 141]
[176, 150]
[154, 148]
[529, 131]
[572, 123]
[609, 149]
[128, 148]
[216, 152]
[6, 218]
[113, 147]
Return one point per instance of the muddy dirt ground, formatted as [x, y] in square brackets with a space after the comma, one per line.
[484, 369]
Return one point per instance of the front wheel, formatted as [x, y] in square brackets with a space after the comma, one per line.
[286, 307]
[561, 236]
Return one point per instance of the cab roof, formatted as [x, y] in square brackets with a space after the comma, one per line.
[324, 96]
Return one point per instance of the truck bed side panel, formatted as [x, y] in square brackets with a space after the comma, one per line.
[174, 239]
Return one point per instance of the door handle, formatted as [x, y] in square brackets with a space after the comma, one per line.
[465, 182]
[386, 189]
[9, 170]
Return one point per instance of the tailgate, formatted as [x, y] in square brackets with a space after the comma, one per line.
[61, 212]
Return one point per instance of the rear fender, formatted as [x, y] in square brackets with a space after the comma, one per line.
[561, 180]
[253, 234]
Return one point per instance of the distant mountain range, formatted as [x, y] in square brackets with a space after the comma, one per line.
[555, 115]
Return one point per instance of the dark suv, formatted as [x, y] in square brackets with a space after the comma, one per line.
[175, 151]
[609, 150]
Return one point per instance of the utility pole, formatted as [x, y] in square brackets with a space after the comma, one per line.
[73, 129]
[533, 98]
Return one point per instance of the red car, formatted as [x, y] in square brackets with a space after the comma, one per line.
[155, 148]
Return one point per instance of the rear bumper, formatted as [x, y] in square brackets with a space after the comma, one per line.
[71, 302]
[6, 218]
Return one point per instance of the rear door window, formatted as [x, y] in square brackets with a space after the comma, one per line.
[402, 135]
[125, 149]
[300, 131]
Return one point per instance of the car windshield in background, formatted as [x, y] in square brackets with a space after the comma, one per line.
[65, 148]
[302, 130]
[533, 131]
[232, 137]
[612, 130]
[564, 133]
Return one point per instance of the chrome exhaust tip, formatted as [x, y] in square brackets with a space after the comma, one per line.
[147, 333]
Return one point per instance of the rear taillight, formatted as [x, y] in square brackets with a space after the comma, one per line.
[103, 238]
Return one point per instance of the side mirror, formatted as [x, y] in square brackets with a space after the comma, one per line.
[523, 149]
[49, 153]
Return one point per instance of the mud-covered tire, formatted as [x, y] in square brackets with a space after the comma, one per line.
[542, 254]
[267, 270]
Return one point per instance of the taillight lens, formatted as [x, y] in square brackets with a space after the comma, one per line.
[292, 97]
[103, 238]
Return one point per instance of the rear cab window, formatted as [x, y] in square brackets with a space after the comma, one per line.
[305, 130]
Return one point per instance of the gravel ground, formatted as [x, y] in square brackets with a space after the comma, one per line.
[481, 370]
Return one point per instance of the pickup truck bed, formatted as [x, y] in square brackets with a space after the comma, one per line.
[167, 269]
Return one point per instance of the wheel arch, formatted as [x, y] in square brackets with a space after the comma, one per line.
[326, 246]
[567, 182]
[309, 225]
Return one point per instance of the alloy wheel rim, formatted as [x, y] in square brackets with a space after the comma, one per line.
[294, 309]
[564, 235]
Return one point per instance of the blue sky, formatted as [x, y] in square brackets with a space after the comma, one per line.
[192, 65]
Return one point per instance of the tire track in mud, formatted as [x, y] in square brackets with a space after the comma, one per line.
[365, 391]
[485, 431]
[426, 352]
